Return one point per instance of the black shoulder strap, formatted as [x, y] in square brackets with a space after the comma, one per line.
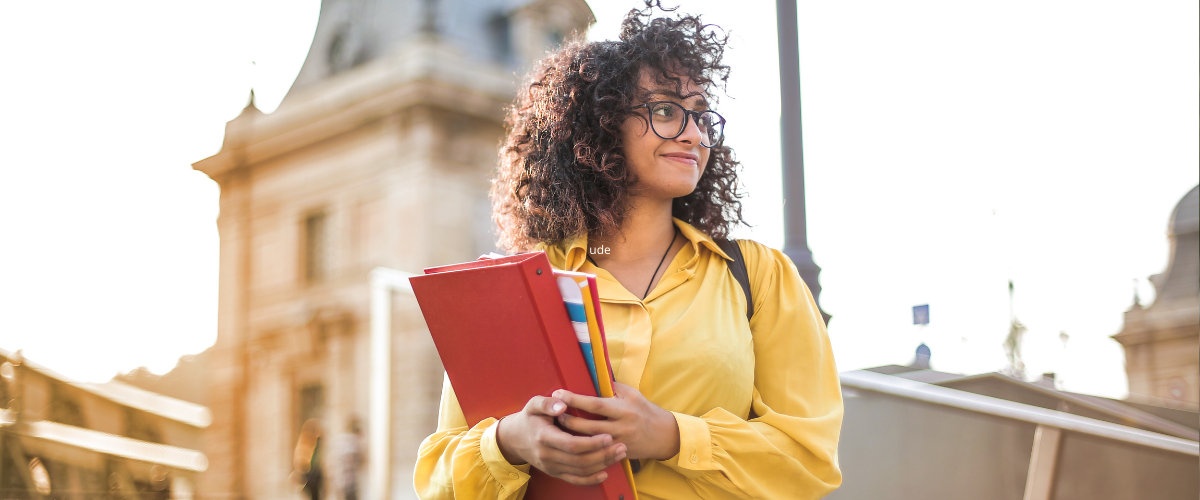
[738, 269]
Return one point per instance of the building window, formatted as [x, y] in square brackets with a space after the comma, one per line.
[64, 409]
[141, 427]
[500, 32]
[555, 38]
[316, 248]
[311, 403]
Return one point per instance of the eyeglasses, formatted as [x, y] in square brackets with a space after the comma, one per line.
[669, 119]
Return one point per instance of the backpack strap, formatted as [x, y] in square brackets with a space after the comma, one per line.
[738, 268]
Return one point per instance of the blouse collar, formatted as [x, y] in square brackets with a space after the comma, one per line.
[571, 253]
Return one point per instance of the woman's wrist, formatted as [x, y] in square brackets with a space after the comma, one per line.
[669, 430]
[510, 455]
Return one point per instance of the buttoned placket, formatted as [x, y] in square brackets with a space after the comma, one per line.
[631, 364]
[629, 367]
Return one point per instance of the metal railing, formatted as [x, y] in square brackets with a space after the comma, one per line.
[1048, 436]
[921, 391]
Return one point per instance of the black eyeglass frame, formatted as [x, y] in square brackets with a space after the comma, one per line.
[687, 115]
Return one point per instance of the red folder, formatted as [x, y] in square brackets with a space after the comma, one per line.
[502, 331]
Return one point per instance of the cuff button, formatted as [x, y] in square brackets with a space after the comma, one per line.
[695, 459]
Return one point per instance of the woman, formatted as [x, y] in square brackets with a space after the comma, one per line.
[614, 165]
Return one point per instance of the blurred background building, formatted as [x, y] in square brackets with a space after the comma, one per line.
[71, 440]
[1162, 342]
[380, 155]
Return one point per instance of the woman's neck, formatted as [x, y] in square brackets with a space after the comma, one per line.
[646, 231]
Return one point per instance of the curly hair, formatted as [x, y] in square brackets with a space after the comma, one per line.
[562, 172]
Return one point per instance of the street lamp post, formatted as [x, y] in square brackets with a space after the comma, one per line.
[792, 139]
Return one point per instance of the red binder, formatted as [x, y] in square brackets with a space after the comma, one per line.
[502, 331]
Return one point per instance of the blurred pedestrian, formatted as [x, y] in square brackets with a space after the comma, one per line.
[307, 458]
[351, 458]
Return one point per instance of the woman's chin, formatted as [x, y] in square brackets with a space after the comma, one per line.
[678, 190]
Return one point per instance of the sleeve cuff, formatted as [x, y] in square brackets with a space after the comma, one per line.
[509, 476]
[695, 447]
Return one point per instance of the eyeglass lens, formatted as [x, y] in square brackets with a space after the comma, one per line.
[667, 119]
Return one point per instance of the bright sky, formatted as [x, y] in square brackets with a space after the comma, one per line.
[949, 147]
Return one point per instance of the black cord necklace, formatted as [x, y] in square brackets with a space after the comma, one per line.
[660, 262]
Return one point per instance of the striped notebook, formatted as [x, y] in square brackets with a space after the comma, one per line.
[583, 306]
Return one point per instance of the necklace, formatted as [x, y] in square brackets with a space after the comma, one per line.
[656, 268]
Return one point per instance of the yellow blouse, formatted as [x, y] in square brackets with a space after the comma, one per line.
[688, 349]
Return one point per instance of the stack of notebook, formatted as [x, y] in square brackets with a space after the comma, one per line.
[504, 336]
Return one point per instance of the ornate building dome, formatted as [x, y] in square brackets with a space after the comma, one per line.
[1185, 219]
[1162, 342]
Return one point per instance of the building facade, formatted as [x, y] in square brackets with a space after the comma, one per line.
[379, 156]
[71, 440]
[1162, 342]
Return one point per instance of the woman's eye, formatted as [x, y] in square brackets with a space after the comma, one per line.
[665, 111]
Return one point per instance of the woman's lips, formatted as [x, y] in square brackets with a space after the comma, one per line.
[685, 159]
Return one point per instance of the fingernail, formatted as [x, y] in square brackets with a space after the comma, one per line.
[621, 456]
[621, 449]
[559, 407]
[603, 476]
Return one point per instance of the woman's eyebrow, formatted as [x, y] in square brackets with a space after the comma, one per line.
[673, 94]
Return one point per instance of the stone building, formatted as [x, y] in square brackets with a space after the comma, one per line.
[71, 440]
[1162, 342]
[379, 155]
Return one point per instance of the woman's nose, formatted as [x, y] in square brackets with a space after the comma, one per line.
[691, 130]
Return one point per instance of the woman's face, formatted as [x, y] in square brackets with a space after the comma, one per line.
[664, 168]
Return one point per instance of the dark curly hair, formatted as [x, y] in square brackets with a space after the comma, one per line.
[562, 172]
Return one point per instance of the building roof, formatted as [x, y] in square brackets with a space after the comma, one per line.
[111, 444]
[945, 396]
[1008, 388]
[1181, 280]
[1090, 406]
[127, 395]
[907, 439]
[352, 32]
[1186, 216]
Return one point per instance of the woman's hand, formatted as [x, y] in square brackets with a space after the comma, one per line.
[645, 428]
[530, 436]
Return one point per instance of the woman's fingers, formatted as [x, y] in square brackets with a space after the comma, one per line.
[624, 391]
[596, 478]
[584, 464]
[575, 445]
[575, 459]
[599, 406]
[541, 405]
[585, 426]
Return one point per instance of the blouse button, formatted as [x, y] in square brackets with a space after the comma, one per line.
[512, 475]
[695, 459]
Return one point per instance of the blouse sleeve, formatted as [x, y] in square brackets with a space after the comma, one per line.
[788, 449]
[461, 462]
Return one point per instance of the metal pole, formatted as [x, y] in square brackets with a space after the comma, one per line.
[792, 140]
